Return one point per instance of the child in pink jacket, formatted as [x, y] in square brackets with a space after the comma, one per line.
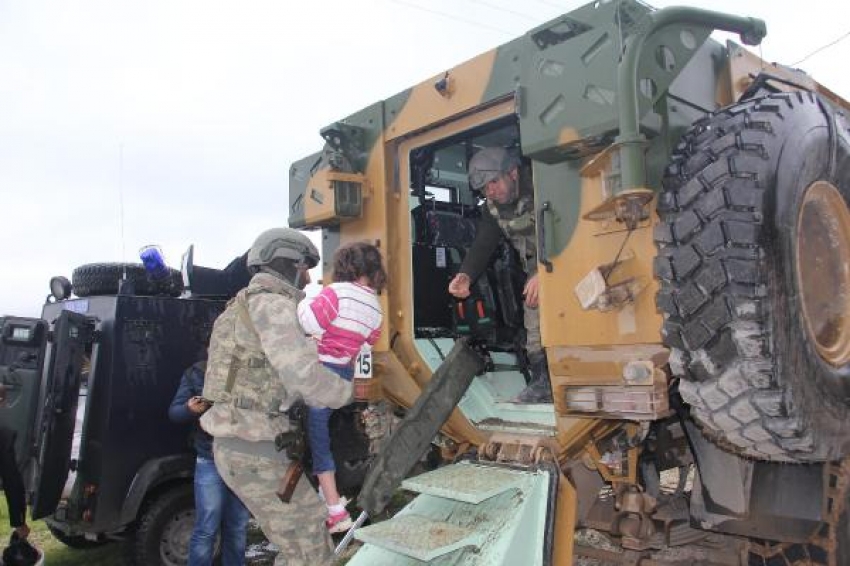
[343, 317]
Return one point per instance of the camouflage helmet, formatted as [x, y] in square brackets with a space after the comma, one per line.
[285, 243]
[488, 164]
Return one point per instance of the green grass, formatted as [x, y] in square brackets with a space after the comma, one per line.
[110, 554]
[56, 553]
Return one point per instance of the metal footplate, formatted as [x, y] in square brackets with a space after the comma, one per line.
[422, 422]
[463, 483]
[418, 537]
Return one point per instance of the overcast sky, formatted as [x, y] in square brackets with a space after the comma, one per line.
[190, 112]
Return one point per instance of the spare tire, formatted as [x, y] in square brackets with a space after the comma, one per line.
[753, 246]
[103, 279]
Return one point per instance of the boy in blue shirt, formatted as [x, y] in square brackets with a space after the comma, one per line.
[215, 505]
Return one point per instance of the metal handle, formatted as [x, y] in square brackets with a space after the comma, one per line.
[542, 256]
[350, 534]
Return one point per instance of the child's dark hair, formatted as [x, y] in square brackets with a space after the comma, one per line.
[358, 259]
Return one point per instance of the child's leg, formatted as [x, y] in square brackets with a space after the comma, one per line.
[323, 464]
[320, 440]
[320, 447]
[327, 482]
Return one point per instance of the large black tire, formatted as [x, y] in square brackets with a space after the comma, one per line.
[753, 287]
[161, 537]
[103, 279]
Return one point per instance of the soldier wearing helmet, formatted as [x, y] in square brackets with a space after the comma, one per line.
[508, 211]
[260, 363]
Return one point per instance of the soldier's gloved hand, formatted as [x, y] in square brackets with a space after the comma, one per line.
[459, 286]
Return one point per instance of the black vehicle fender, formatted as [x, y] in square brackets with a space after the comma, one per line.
[153, 474]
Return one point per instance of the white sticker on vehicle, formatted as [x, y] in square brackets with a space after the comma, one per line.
[441, 257]
[80, 306]
[363, 364]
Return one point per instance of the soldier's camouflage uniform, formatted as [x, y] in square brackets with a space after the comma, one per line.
[260, 361]
[516, 222]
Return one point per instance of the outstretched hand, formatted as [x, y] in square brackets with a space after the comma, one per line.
[459, 286]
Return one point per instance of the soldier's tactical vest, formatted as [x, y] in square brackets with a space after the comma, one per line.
[247, 392]
[517, 223]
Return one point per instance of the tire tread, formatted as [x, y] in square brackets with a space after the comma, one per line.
[712, 275]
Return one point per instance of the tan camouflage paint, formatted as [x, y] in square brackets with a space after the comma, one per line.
[565, 521]
[399, 270]
[564, 323]
[320, 199]
[743, 65]
[386, 223]
[567, 136]
[426, 107]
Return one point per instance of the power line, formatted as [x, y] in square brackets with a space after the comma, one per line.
[553, 4]
[819, 49]
[456, 18]
[505, 10]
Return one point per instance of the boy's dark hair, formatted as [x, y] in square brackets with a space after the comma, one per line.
[359, 259]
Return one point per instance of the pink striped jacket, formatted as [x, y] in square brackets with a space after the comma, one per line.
[343, 316]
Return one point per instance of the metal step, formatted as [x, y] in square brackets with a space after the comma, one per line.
[466, 482]
[469, 512]
[418, 537]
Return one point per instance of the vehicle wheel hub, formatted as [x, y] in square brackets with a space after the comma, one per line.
[823, 270]
[174, 543]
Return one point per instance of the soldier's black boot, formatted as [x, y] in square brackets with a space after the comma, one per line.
[539, 389]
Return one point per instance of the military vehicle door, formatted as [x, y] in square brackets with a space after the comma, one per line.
[64, 359]
[22, 344]
[443, 212]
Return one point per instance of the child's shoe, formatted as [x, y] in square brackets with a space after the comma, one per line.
[338, 522]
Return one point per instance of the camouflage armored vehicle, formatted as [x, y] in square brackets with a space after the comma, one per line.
[693, 236]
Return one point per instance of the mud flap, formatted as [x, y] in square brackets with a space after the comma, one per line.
[413, 436]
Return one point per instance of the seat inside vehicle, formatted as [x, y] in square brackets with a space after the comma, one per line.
[444, 217]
